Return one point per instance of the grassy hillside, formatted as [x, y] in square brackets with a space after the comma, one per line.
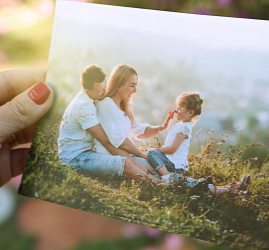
[236, 220]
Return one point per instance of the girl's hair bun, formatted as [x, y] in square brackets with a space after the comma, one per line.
[200, 102]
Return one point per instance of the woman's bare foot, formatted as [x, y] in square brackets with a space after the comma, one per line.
[218, 190]
[240, 185]
[236, 185]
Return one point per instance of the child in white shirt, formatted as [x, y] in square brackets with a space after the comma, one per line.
[170, 161]
[172, 157]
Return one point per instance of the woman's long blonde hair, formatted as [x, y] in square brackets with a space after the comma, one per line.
[119, 76]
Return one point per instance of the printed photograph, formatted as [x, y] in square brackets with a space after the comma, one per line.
[159, 119]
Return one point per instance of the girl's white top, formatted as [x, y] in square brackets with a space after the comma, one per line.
[180, 157]
[116, 124]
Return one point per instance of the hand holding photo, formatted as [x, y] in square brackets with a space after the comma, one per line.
[158, 120]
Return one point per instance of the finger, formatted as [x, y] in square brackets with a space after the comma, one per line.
[166, 120]
[12, 162]
[5, 170]
[18, 160]
[150, 170]
[26, 135]
[14, 82]
[25, 109]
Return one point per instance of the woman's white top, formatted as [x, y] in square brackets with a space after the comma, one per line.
[116, 124]
[180, 157]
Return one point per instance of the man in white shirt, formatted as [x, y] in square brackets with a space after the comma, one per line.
[80, 125]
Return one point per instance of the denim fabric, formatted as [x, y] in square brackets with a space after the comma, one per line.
[92, 163]
[176, 176]
[190, 182]
[157, 160]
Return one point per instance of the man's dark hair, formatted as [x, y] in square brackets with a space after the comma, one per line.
[91, 75]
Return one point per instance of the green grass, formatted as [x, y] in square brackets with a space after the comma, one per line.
[240, 221]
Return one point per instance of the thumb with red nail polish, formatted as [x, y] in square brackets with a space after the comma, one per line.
[24, 99]
[25, 109]
[40, 93]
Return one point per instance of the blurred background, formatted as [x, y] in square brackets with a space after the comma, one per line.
[25, 35]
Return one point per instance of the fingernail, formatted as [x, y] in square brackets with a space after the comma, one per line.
[40, 93]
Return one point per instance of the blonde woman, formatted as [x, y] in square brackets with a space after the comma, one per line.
[118, 120]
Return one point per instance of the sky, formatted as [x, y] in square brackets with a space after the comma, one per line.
[210, 31]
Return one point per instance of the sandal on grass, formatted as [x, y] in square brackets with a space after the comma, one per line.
[245, 181]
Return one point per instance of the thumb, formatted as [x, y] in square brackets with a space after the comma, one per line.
[25, 109]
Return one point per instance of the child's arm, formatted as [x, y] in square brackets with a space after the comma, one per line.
[180, 137]
[152, 131]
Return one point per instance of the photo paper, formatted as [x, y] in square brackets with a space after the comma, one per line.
[159, 119]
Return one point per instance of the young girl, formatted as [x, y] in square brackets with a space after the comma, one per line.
[172, 157]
